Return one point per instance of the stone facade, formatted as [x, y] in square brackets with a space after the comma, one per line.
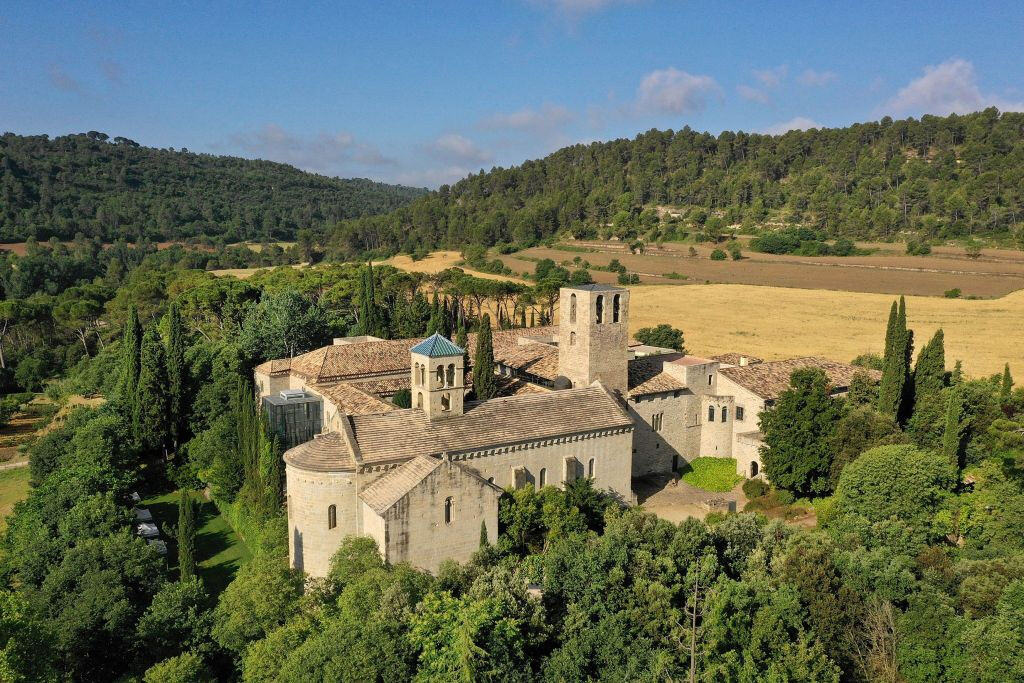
[421, 480]
[593, 336]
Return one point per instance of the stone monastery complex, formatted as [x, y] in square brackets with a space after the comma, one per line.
[579, 399]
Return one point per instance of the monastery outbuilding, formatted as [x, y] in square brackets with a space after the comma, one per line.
[578, 400]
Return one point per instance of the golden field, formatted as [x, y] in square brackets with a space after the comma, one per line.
[437, 261]
[777, 322]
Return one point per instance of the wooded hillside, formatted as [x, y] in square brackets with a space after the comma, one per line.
[952, 177]
[116, 188]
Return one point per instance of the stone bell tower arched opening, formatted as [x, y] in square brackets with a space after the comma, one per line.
[437, 377]
[593, 335]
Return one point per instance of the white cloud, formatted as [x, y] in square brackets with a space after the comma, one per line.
[457, 148]
[796, 123]
[771, 78]
[547, 118]
[752, 94]
[949, 87]
[672, 91]
[324, 153]
[813, 78]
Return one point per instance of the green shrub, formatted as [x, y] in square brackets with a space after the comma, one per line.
[755, 488]
[952, 293]
[718, 255]
[784, 497]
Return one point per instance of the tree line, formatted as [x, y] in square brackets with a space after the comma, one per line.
[116, 189]
[935, 177]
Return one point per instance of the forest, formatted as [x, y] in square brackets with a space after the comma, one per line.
[953, 177]
[915, 571]
[116, 189]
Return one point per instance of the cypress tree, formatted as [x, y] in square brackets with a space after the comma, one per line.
[176, 373]
[485, 384]
[522, 318]
[895, 388]
[930, 369]
[890, 331]
[1006, 387]
[953, 435]
[369, 316]
[533, 319]
[435, 324]
[152, 401]
[131, 344]
[958, 373]
[484, 541]
[186, 536]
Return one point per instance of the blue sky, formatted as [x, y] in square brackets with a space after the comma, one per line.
[425, 92]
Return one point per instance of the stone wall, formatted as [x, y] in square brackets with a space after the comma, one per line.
[416, 530]
[610, 451]
[589, 350]
[677, 441]
[310, 542]
[716, 434]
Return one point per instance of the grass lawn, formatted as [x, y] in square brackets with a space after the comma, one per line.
[13, 487]
[711, 474]
[218, 548]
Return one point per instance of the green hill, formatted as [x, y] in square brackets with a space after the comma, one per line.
[937, 177]
[118, 189]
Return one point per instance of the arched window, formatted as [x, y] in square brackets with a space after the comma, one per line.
[725, 414]
[600, 309]
[572, 308]
[449, 509]
[572, 339]
[451, 375]
[711, 413]
[440, 375]
[419, 399]
[423, 375]
[332, 516]
[543, 478]
[615, 308]
[590, 468]
[446, 401]
[753, 468]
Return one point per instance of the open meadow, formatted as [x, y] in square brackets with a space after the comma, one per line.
[994, 273]
[780, 322]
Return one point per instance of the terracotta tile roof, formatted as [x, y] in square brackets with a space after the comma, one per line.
[324, 453]
[352, 399]
[511, 386]
[769, 380]
[647, 377]
[386, 386]
[537, 359]
[388, 357]
[734, 358]
[279, 366]
[393, 486]
[402, 434]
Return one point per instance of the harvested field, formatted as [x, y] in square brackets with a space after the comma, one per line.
[442, 260]
[994, 274]
[777, 322]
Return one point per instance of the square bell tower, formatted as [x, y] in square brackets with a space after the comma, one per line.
[438, 372]
[593, 336]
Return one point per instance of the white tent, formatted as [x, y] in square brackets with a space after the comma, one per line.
[147, 530]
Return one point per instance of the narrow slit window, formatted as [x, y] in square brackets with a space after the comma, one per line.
[615, 308]
[711, 413]
[572, 308]
[725, 414]
[449, 509]
[600, 309]
[590, 468]
[543, 476]
[332, 516]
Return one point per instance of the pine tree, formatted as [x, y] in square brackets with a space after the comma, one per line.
[151, 419]
[1006, 387]
[176, 373]
[131, 345]
[953, 435]
[186, 536]
[485, 384]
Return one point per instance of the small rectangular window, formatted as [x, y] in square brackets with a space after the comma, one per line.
[709, 379]
[739, 413]
[725, 414]
[711, 413]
